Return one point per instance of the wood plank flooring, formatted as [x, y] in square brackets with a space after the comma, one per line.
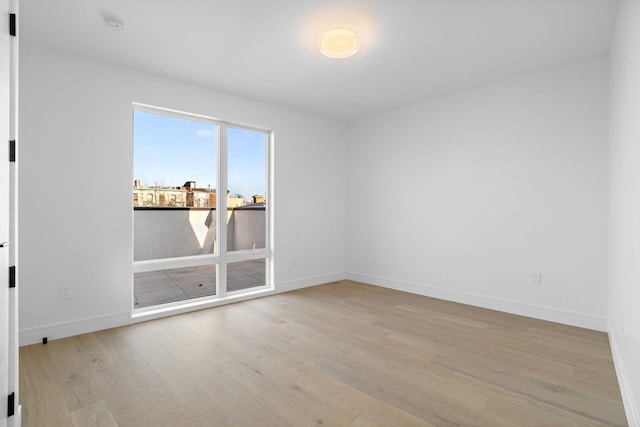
[340, 354]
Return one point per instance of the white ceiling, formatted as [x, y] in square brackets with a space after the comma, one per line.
[412, 50]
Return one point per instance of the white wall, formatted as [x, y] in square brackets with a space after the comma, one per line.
[624, 214]
[76, 139]
[464, 197]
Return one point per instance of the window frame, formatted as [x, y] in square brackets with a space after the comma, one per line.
[221, 256]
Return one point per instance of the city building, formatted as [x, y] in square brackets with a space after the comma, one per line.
[187, 195]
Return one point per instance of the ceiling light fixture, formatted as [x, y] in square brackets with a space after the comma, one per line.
[339, 43]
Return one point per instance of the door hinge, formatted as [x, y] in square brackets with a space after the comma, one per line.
[13, 25]
[12, 150]
[11, 405]
[12, 276]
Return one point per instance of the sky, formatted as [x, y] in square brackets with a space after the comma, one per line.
[170, 151]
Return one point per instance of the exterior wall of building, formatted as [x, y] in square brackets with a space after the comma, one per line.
[246, 228]
[181, 197]
[160, 197]
[234, 202]
[169, 233]
[199, 199]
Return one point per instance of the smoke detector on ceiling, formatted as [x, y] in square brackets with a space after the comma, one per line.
[114, 23]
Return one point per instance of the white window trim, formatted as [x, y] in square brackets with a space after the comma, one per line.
[222, 257]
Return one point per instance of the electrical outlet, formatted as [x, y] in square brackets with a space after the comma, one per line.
[65, 292]
[375, 259]
[292, 262]
[536, 279]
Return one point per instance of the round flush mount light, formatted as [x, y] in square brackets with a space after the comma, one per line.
[339, 43]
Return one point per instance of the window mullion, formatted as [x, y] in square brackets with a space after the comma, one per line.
[221, 211]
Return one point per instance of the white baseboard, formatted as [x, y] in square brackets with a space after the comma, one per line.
[310, 281]
[630, 403]
[74, 327]
[92, 324]
[16, 420]
[538, 312]
[86, 325]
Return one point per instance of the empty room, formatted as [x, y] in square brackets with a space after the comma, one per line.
[305, 213]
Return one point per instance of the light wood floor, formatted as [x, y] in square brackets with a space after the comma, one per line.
[341, 354]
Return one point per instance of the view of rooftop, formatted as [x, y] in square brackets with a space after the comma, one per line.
[161, 287]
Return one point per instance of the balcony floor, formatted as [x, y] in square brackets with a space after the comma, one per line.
[162, 287]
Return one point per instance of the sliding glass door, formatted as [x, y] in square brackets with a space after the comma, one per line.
[200, 216]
